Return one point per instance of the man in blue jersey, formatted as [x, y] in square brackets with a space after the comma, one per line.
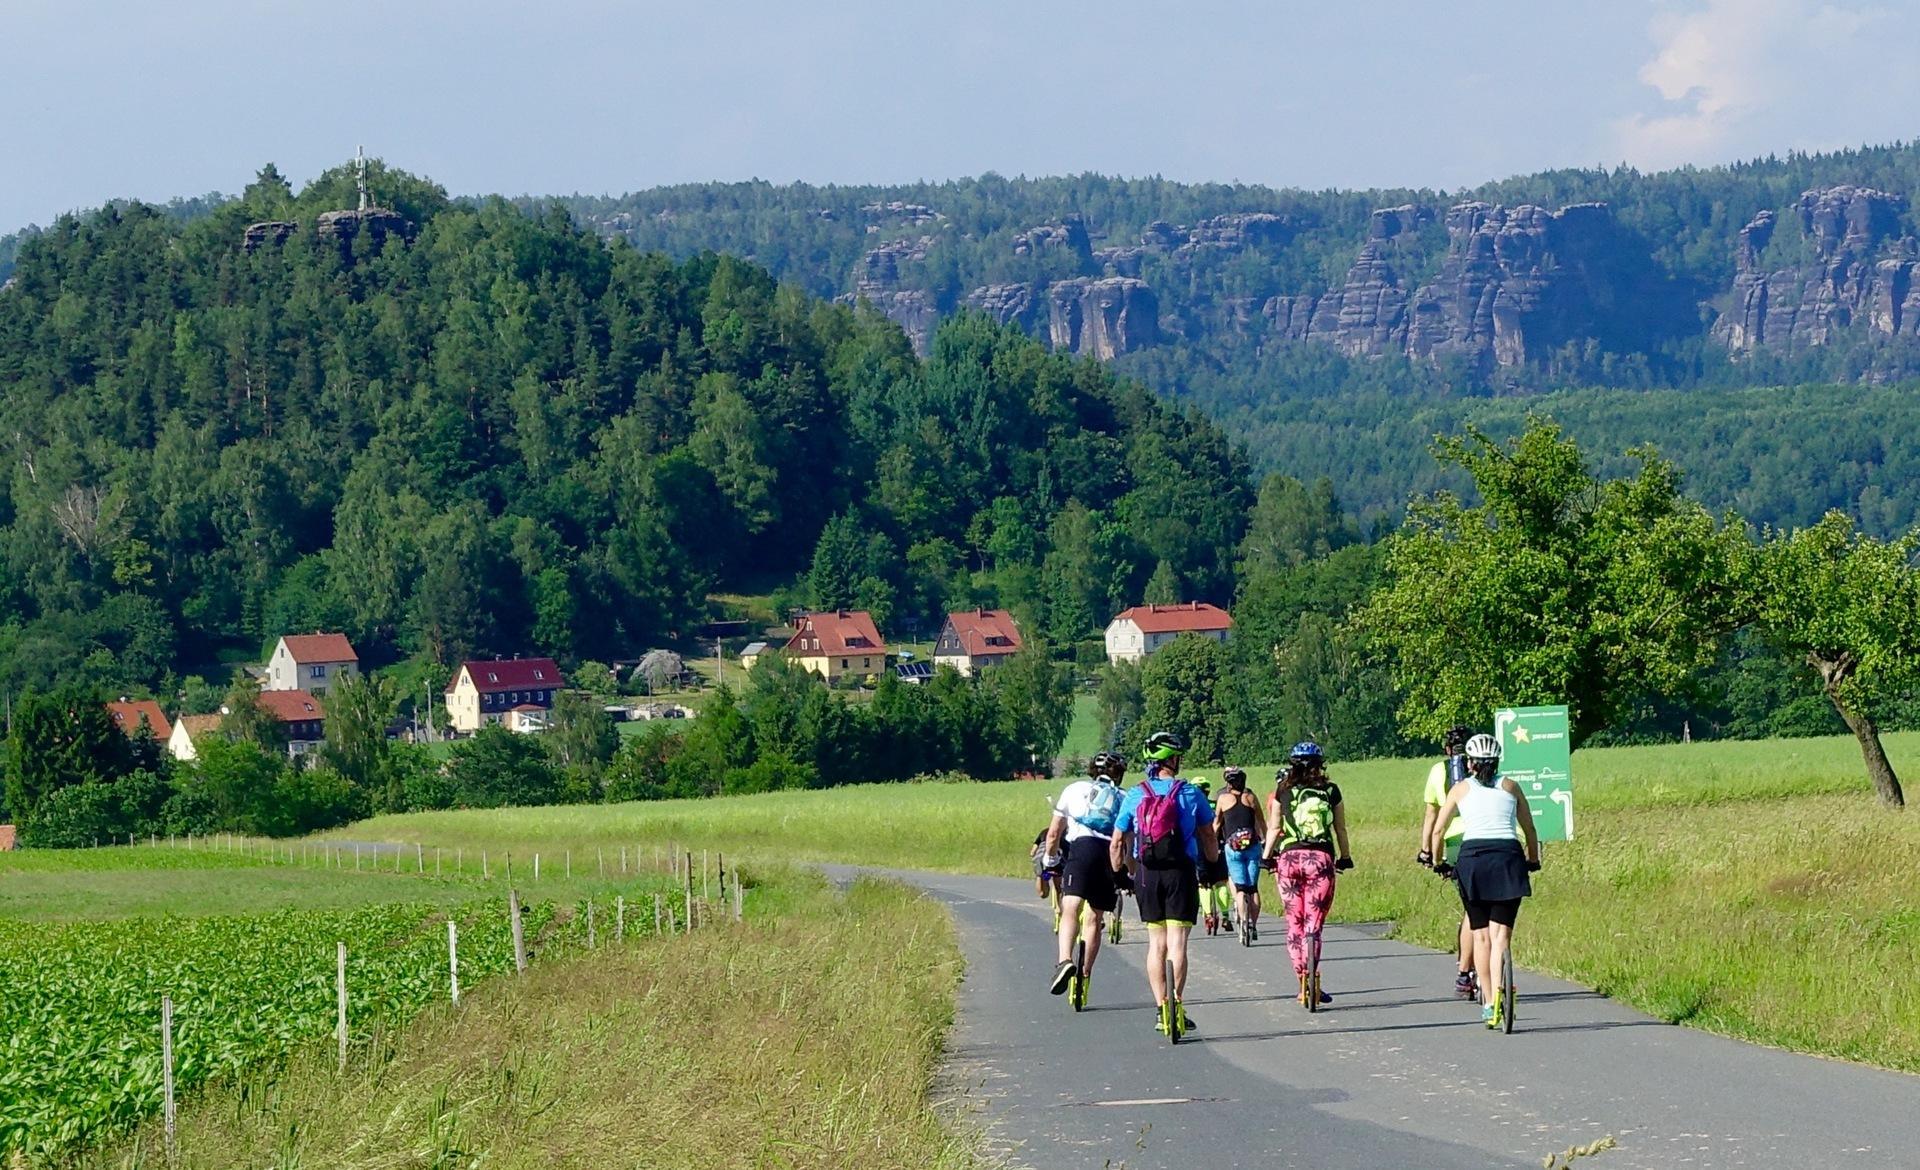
[1164, 831]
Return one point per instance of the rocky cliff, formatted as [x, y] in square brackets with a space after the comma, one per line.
[1514, 285]
[1492, 287]
[1852, 268]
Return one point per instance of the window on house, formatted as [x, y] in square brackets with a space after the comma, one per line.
[540, 674]
[319, 671]
[492, 677]
[866, 664]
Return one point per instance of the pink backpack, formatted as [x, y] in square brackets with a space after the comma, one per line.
[1156, 821]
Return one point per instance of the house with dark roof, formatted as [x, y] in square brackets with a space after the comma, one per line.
[129, 714]
[1135, 633]
[837, 644]
[310, 662]
[974, 639]
[485, 692]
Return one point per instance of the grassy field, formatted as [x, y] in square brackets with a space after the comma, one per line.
[1083, 734]
[1750, 888]
[804, 1038]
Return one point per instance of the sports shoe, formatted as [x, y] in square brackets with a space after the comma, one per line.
[1253, 932]
[1463, 985]
[1490, 1016]
[1160, 1019]
[1062, 977]
[1186, 1021]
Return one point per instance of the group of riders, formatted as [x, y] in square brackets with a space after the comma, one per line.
[1189, 857]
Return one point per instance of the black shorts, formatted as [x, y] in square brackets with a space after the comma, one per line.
[1479, 913]
[1167, 895]
[1088, 874]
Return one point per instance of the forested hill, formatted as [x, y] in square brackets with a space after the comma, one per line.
[450, 428]
[1318, 326]
[1571, 275]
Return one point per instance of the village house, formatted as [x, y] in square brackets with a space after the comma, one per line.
[975, 639]
[487, 692]
[310, 662]
[302, 719]
[188, 728]
[1135, 633]
[129, 714]
[752, 654]
[838, 644]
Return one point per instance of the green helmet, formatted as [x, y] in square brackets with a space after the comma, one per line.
[1164, 745]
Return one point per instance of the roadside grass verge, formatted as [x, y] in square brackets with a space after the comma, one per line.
[1753, 889]
[803, 1039]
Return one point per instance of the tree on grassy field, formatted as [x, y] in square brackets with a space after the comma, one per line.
[1181, 685]
[60, 738]
[582, 736]
[358, 711]
[1849, 606]
[1035, 699]
[497, 768]
[1558, 587]
[246, 721]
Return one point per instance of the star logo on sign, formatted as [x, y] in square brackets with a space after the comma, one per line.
[1520, 734]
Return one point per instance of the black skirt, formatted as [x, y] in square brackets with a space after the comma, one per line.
[1493, 871]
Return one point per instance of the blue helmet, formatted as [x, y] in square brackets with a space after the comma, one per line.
[1306, 749]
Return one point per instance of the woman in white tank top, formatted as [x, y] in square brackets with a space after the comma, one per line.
[1492, 869]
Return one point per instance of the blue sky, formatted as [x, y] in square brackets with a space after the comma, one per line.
[105, 98]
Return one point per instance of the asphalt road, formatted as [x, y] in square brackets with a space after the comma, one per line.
[1395, 1073]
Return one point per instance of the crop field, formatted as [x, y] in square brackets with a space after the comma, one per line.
[247, 953]
[1730, 886]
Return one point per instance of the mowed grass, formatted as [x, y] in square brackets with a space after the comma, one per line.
[1083, 734]
[804, 1038]
[1754, 889]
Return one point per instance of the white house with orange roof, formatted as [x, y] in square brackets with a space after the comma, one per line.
[1135, 633]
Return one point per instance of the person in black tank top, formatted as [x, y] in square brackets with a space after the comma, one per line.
[1243, 834]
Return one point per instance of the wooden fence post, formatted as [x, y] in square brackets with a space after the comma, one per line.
[704, 891]
[569, 865]
[739, 900]
[592, 942]
[453, 959]
[620, 919]
[519, 938]
[656, 914]
[536, 867]
[166, 1074]
[340, 989]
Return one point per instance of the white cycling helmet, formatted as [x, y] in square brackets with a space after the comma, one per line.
[1483, 747]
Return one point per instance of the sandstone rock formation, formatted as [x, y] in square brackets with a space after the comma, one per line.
[269, 233]
[1515, 284]
[378, 224]
[1860, 273]
[1104, 317]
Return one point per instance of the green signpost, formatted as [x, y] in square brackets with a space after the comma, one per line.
[1537, 755]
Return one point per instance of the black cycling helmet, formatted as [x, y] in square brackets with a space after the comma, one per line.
[1164, 745]
[1108, 764]
[1455, 741]
[1236, 778]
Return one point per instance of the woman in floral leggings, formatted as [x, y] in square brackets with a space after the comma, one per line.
[1307, 820]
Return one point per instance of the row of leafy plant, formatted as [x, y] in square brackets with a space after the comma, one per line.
[80, 1035]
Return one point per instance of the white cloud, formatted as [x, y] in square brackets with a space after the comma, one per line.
[1751, 76]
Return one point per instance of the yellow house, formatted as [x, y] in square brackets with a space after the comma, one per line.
[838, 643]
[486, 692]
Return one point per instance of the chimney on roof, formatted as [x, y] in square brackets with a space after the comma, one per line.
[842, 613]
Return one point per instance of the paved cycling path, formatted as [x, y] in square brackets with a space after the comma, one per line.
[1395, 1073]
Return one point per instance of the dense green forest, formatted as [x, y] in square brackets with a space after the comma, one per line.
[498, 432]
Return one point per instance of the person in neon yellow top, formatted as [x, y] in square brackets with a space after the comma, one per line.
[1441, 777]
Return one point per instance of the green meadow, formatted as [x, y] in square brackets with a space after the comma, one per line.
[1750, 888]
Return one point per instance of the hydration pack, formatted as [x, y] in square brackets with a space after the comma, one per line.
[1103, 808]
[1156, 820]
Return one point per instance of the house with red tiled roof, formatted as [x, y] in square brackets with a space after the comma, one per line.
[1135, 633]
[310, 662]
[129, 714]
[975, 639]
[485, 692]
[836, 644]
[302, 718]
